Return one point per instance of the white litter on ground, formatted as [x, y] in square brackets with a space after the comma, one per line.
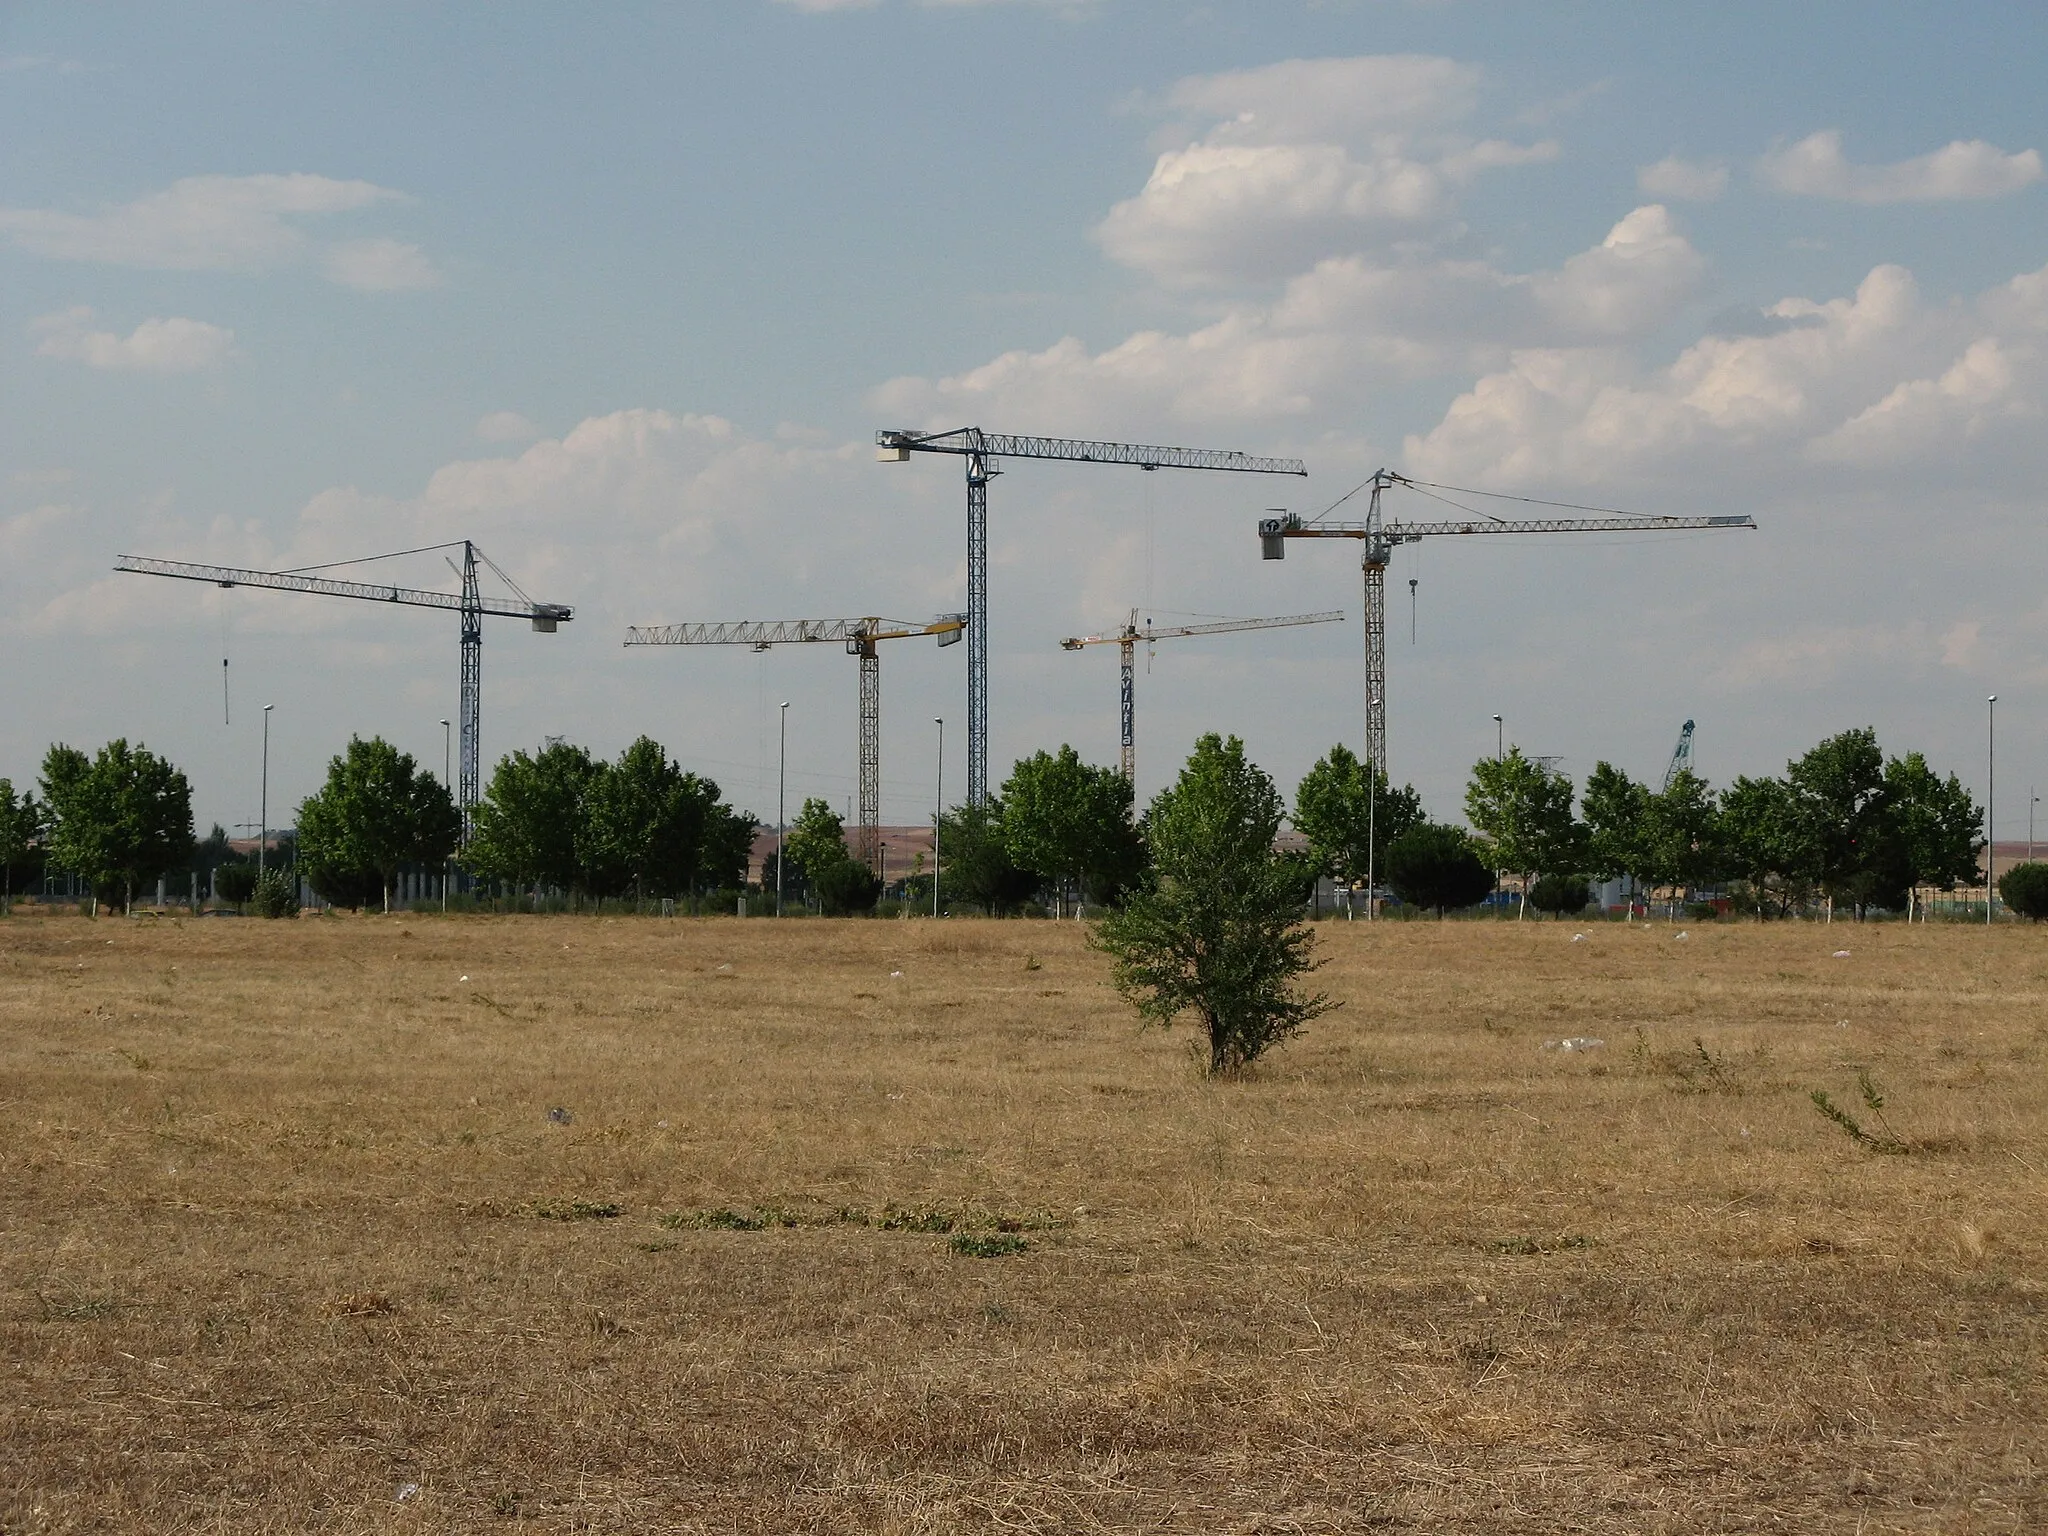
[1575, 1043]
[1841, 954]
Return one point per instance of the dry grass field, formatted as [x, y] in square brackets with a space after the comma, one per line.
[293, 1242]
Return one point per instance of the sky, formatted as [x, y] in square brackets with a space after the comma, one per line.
[622, 292]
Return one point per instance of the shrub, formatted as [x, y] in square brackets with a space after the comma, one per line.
[1435, 866]
[1559, 894]
[235, 883]
[846, 888]
[276, 895]
[2024, 888]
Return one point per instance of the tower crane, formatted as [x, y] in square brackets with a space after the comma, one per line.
[1681, 755]
[983, 452]
[1130, 636]
[1380, 537]
[860, 636]
[471, 604]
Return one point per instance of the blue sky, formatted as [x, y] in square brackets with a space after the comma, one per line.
[623, 292]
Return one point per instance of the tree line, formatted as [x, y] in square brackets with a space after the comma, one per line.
[1845, 824]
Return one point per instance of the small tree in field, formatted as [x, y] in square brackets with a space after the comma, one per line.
[1434, 866]
[235, 884]
[1217, 929]
[2024, 888]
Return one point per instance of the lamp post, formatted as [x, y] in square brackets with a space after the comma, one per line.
[938, 812]
[263, 831]
[1990, 805]
[448, 783]
[2032, 801]
[1372, 837]
[781, 783]
[1500, 740]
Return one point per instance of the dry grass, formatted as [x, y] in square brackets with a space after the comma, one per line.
[292, 1242]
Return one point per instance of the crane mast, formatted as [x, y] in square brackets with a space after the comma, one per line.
[982, 452]
[470, 604]
[1681, 756]
[1127, 638]
[861, 637]
[1379, 537]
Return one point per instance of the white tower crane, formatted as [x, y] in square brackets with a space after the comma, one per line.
[1130, 636]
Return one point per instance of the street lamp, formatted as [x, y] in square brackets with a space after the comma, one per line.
[1372, 836]
[938, 812]
[263, 831]
[1500, 739]
[1990, 805]
[781, 783]
[2032, 801]
[448, 783]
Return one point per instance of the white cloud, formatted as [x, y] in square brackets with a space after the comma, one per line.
[1331, 99]
[1817, 167]
[225, 223]
[1875, 381]
[1687, 181]
[1331, 331]
[1302, 160]
[379, 266]
[174, 345]
[506, 427]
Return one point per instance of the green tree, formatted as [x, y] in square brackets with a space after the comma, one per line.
[1681, 834]
[1351, 815]
[21, 826]
[1837, 804]
[975, 864]
[120, 819]
[1218, 929]
[1071, 822]
[235, 884]
[1522, 811]
[1933, 831]
[377, 811]
[847, 889]
[525, 826]
[643, 822]
[1763, 844]
[1435, 866]
[2024, 889]
[1561, 895]
[816, 840]
[1617, 813]
[726, 844]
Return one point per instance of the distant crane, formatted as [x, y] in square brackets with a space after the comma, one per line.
[1380, 537]
[860, 637]
[1129, 637]
[982, 451]
[471, 604]
[1681, 755]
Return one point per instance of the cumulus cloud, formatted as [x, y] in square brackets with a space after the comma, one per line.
[1300, 160]
[379, 266]
[227, 224]
[1817, 167]
[173, 345]
[1685, 181]
[506, 427]
[1877, 379]
[1330, 330]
